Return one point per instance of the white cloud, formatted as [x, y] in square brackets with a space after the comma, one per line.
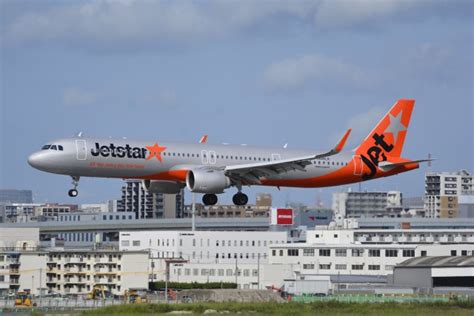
[316, 70]
[74, 96]
[133, 24]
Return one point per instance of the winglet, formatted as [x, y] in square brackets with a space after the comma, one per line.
[340, 146]
[203, 139]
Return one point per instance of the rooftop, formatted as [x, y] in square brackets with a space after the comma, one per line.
[436, 262]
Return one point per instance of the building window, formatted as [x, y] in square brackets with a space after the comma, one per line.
[293, 252]
[125, 243]
[374, 252]
[136, 243]
[453, 253]
[357, 252]
[408, 253]
[341, 267]
[374, 267]
[324, 252]
[308, 266]
[357, 267]
[391, 253]
[423, 253]
[388, 268]
[281, 253]
[229, 272]
[274, 253]
[340, 252]
[308, 252]
[324, 266]
[463, 252]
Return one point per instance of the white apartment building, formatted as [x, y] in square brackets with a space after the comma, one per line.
[367, 204]
[77, 272]
[443, 191]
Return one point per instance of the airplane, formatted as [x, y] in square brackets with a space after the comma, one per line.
[168, 167]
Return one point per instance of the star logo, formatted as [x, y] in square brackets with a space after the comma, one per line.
[155, 151]
[395, 126]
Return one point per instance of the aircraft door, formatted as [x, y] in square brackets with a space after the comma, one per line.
[276, 157]
[81, 148]
[204, 157]
[358, 167]
[212, 157]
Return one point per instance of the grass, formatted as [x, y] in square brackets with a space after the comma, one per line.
[318, 308]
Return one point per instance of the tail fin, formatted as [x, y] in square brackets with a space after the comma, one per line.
[389, 135]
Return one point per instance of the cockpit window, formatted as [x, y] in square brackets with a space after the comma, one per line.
[52, 147]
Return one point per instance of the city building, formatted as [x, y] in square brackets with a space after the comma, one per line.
[16, 196]
[367, 204]
[443, 190]
[264, 200]
[350, 257]
[428, 273]
[26, 266]
[77, 272]
[135, 198]
[202, 256]
[233, 211]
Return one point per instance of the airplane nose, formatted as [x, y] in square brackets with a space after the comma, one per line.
[35, 160]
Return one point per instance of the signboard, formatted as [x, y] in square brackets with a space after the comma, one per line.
[282, 216]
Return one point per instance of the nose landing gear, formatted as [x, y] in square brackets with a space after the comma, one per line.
[73, 192]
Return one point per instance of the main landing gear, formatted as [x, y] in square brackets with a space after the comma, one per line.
[209, 199]
[73, 192]
[240, 199]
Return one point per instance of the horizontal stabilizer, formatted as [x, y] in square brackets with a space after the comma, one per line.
[385, 165]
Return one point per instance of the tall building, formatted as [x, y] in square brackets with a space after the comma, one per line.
[135, 198]
[264, 200]
[367, 204]
[16, 196]
[443, 190]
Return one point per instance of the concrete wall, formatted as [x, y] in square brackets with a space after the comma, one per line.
[412, 277]
[32, 272]
[134, 271]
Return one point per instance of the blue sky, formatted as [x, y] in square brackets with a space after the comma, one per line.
[260, 73]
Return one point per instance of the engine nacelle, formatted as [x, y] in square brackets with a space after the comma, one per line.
[167, 187]
[207, 181]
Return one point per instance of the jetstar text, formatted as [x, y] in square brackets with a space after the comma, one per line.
[119, 151]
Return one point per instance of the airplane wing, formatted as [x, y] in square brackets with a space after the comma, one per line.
[251, 173]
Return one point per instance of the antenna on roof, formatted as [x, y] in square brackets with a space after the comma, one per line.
[79, 134]
[285, 146]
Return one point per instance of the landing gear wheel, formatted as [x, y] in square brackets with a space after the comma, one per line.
[209, 199]
[73, 192]
[240, 199]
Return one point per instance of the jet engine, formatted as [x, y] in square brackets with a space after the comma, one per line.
[167, 187]
[207, 181]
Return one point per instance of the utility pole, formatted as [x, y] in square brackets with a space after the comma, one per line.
[193, 212]
[236, 271]
[40, 287]
[258, 271]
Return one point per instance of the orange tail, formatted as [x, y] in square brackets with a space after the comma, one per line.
[388, 137]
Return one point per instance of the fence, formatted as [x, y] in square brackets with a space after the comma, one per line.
[381, 298]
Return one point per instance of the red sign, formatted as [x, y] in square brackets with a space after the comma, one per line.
[284, 216]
